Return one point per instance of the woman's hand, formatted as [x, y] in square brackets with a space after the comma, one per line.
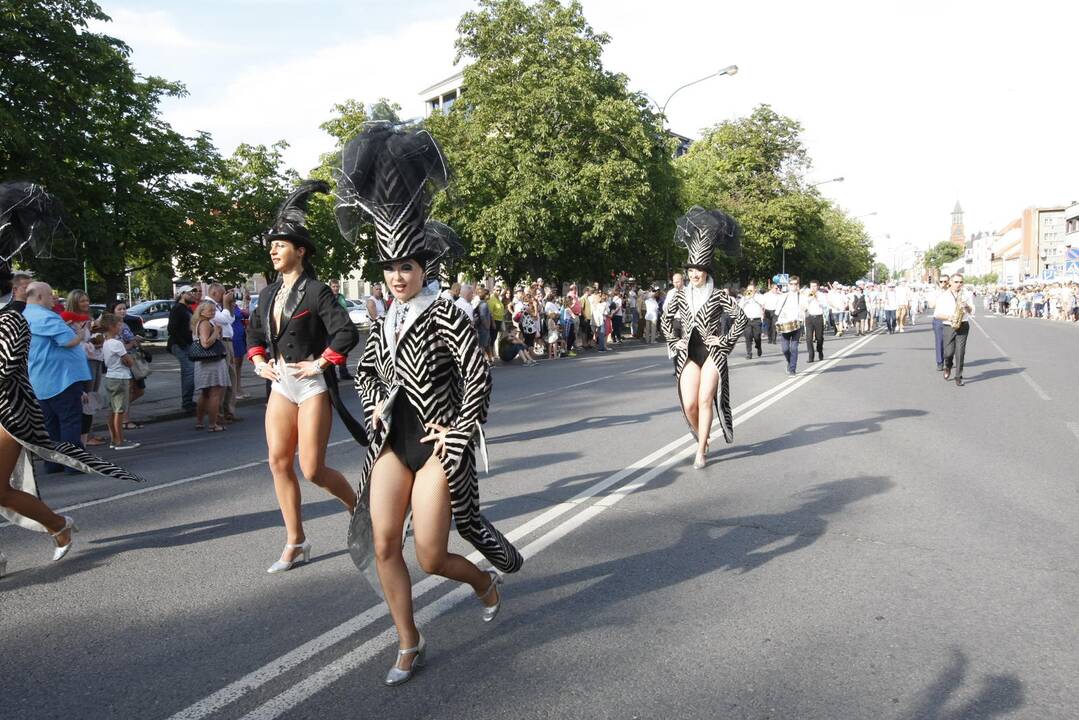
[681, 344]
[267, 371]
[437, 435]
[306, 368]
[376, 416]
[713, 341]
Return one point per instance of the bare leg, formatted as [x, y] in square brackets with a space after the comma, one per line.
[689, 387]
[391, 489]
[705, 398]
[314, 421]
[281, 439]
[431, 525]
[21, 502]
[213, 403]
[200, 407]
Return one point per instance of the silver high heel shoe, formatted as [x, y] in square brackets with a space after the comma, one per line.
[304, 556]
[397, 676]
[489, 612]
[60, 552]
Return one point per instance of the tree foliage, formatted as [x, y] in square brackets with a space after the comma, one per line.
[753, 168]
[943, 252]
[75, 117]
[559, 169]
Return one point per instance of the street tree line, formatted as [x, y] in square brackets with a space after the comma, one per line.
[560, 169]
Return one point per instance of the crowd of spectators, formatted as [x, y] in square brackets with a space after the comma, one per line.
[1048, 301]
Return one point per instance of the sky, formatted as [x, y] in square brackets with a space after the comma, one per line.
[916, 104]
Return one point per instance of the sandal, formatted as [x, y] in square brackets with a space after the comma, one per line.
[216, 428]
[200, 426]
[132, 425]
[94, 441]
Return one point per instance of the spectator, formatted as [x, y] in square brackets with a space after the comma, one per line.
[58, 368]
[554, 336]
[651, 316]
[617, 306]
[376, 305]
[179, 343]
[634, 315]
[585, 323]
[464, 302]
[601, 313]
[239, 341]
[133, 345]
[515, 346]
[211, 375]
[77, 316]
[485, 324]
[117, 380]
[20, 280]
[568, 325]
[498, 315]
[223, 321]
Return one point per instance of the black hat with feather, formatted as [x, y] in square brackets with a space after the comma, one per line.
[291, 218]
[30, 222]
[389, 176]
[702, 232]
[445, 246]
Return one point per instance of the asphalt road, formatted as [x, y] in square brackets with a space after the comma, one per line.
[877, 543]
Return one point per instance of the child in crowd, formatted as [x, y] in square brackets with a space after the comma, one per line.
[117, 380]
[554, 336]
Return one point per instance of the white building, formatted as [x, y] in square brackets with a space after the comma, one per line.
[441, 96]
[1071, 239]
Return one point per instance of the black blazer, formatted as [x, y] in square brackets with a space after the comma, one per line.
[313, 324]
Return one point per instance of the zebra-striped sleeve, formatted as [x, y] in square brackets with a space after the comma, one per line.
[455, 330]
[14, 326]
[368, 384]
[737, 327]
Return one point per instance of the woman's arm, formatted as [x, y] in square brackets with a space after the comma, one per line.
[208, 333]
[369, 385]
[728, 341]
[341, 334]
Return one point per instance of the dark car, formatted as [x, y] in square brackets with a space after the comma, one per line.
[154, 315]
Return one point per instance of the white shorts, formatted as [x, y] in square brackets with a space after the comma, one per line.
[296, 389]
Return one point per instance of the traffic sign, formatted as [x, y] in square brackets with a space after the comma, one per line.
[781, 279]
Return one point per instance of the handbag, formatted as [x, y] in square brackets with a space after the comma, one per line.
[140, 369]
[198, 353]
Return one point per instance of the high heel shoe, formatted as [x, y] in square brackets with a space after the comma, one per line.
[304, 556]
[490, 611]
[61, 551]
[397, 676]
[699, 462]
[3, 564]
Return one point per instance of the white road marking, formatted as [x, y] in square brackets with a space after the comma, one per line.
[1022, 372]
[317, 681]
[1074, 427]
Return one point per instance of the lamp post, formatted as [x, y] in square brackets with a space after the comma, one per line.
[859, 217]
[825, 182]
[729, 70]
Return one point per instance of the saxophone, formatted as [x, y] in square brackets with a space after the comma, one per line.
[960, 310]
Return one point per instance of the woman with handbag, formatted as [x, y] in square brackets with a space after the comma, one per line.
[211, 370]
[691, 322]
[299, 334]
[425, 387]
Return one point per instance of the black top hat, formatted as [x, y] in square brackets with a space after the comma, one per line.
[703, 232]
[389, 177]
[293, 214]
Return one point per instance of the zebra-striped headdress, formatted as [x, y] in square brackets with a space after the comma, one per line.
[703, 232]
[30, 219]
[443, 242]
[389, 177]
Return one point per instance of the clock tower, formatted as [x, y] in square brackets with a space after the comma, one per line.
[958, 236]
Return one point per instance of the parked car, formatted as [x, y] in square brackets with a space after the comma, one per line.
[357, 313]
[154, 315]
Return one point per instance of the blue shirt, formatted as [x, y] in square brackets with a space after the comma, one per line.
[53, 367]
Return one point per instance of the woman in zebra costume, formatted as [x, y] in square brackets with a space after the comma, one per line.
[691, 324]
[28, 219]
[425, 388]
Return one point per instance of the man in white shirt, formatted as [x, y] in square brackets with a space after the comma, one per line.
[955, 338]
[464, 303]
[752, 305]
[651, 317]
[790, 314]
[890, 303]
[938, 325]
[376, 306]
[902, 305]
[770, 300]
[838, 298]
[814, 320]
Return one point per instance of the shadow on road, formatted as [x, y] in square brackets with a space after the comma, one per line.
[816, 433]
[984, 361]
[992, 375]
[998, 694]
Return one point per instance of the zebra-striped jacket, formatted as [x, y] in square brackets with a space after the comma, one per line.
[438, 366]
[21, 418]
[677, 324]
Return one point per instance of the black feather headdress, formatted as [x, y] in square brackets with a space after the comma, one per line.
[30, 220]
[444, 246]
[292, 217]
[389, 177]
[702, 232]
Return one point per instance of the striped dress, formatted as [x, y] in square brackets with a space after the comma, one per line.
[21, 417]
[439, 367]
[707, 322]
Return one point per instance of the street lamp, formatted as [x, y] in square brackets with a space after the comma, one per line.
[859, 217]
[825, 182]
[729, 70]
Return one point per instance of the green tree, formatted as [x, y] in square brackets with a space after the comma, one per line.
[943, 252]
[76, 117]
[753, 168]
[880, 273]
[559, 169]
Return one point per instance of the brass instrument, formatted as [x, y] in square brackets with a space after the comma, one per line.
[960, 310]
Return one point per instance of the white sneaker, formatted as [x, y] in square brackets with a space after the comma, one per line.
[125, 445]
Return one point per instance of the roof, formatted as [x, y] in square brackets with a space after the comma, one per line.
[958, 208]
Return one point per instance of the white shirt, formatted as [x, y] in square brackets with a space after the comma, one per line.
[812, 304]
[902, 295]
[891, 302]
[651, 309]
[752, 306]
[380, 305]
[788, 308]
[466, 308]
[945, 307]
[838, 300]
[113, 351]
